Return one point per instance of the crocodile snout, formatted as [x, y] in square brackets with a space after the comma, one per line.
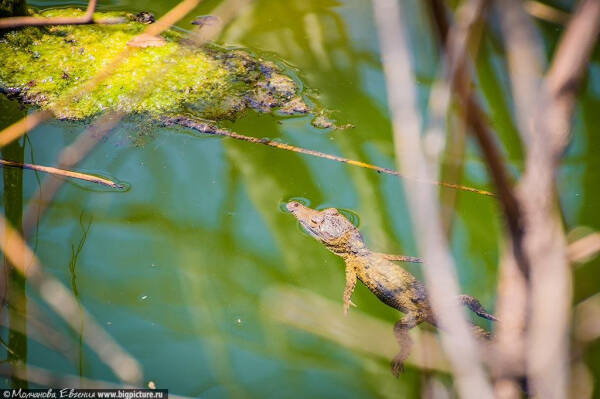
[293, 205]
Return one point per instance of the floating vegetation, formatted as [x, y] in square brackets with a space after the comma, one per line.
[166, 74]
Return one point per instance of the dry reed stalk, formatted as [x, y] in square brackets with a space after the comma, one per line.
[440, 277]
[544, 240]
[456, 39]
[544, 111]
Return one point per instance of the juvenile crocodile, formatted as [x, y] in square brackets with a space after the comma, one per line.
[393, 285]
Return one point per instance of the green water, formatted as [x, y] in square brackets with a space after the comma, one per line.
[182, 268]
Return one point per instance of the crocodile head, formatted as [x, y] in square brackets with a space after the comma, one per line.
[328, 226]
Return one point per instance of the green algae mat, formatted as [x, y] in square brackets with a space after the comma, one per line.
[168, 74]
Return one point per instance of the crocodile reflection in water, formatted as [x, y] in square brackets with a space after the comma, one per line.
[393, 285]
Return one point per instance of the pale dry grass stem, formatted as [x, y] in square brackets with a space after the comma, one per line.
[458, 344]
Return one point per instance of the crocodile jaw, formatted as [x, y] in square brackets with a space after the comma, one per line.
[304, 215]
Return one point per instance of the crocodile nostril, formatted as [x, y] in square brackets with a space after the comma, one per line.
[292, 205]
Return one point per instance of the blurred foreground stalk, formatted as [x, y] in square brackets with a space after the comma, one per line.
[12, 282]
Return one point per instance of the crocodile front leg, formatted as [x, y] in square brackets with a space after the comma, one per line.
[401, 329]
[350, 284]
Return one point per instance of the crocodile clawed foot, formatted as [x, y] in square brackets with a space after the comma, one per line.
[397, 366]
[401, 329]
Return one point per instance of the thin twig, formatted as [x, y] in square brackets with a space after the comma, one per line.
[7, 347]
[442, 128]
[207, 128]
[62, 172]
[68, 159]
[459, 77]
[455, 42]
[85, 19]
[439, 272]
[497, 170]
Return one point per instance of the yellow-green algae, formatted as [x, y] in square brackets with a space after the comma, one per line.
[42, 64]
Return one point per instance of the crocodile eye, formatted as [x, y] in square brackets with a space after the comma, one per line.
[314, 220]
[331, 211]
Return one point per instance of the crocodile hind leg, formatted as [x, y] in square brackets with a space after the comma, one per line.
[349, 289]
[401, 329]
[476, 307]
[480, 332]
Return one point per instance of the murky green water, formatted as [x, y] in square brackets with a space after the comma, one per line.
[189, 270]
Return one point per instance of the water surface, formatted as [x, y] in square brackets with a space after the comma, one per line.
[181, 269]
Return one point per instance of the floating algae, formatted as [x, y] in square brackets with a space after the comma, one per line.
[165, 76]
